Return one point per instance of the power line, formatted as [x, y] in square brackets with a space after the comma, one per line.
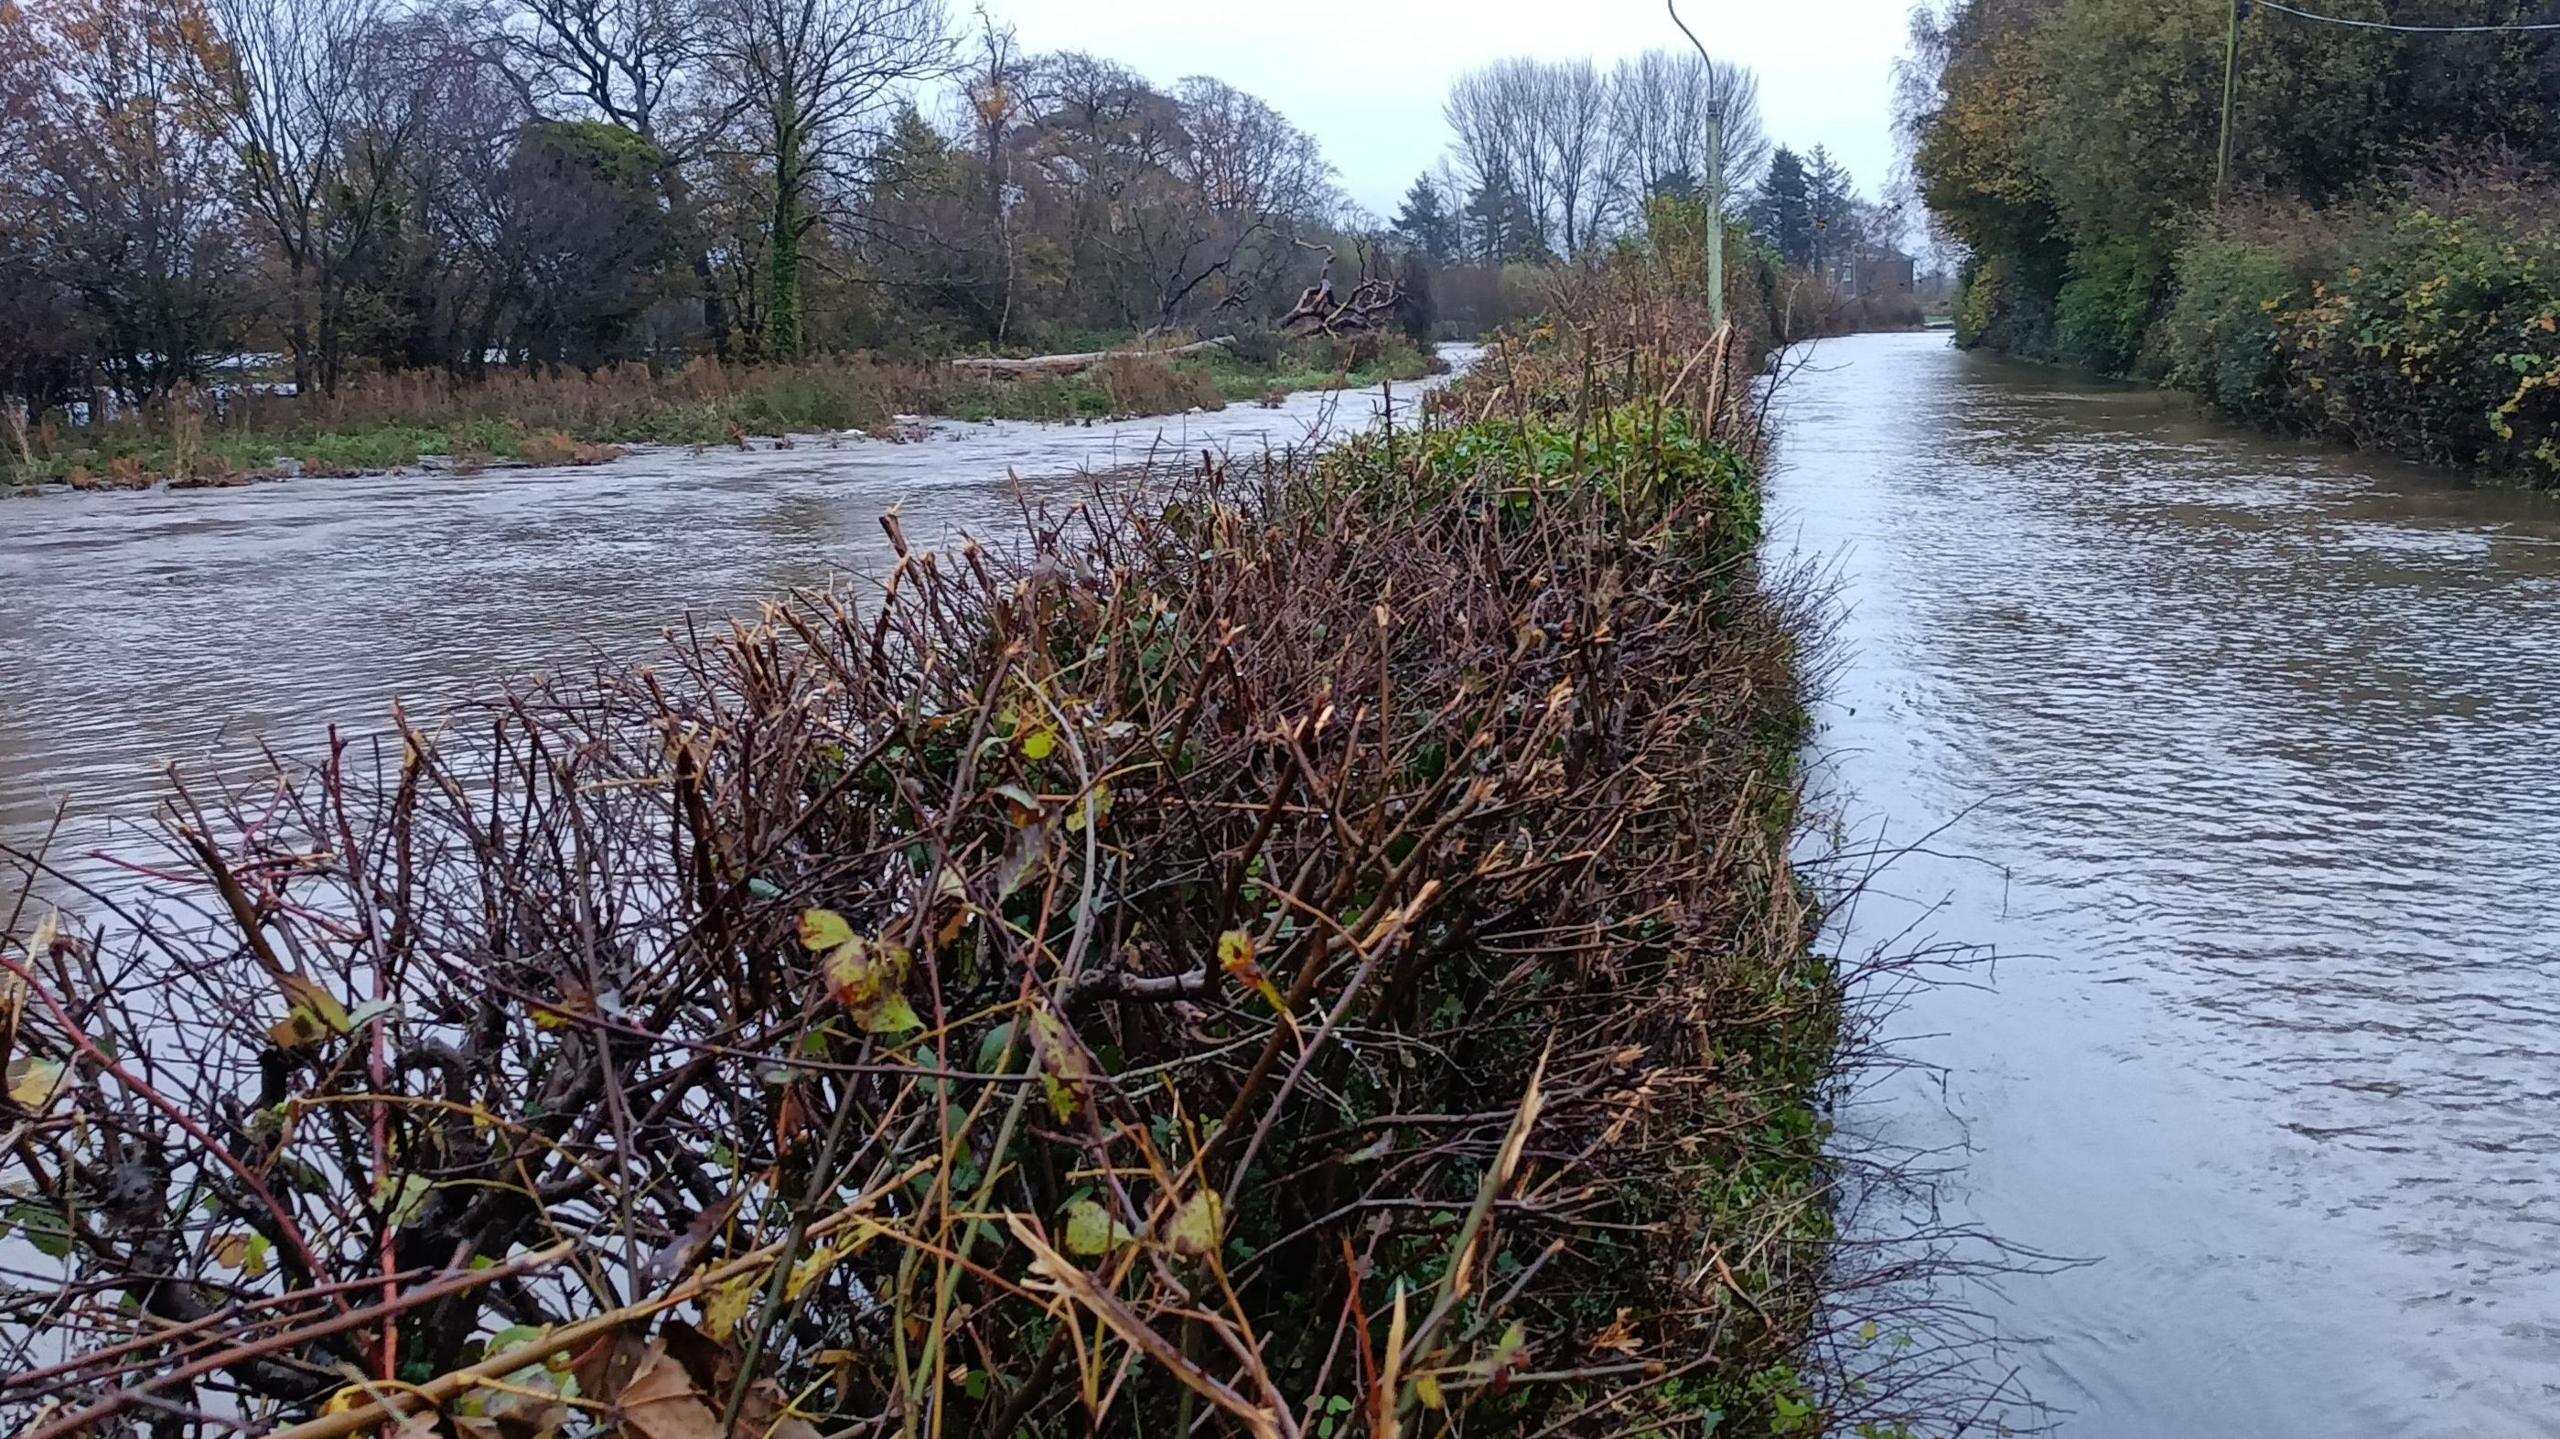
[2408, 29]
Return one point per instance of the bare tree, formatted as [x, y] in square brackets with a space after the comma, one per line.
[1244, 180]
[815, 78]
[998, 94]
[1664, 106]
[1573, 150]
[286, 76]
[1494, 116]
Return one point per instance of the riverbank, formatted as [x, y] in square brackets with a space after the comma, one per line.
[1338, 915]
[2423, 328]
[390, 422]
[2369, 256]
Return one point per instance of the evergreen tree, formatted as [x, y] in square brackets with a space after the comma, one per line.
[1425, 224]
[1785, 209]
[1831, 207]
[1500, 225]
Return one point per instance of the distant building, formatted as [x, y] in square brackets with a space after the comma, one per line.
[1888, 275]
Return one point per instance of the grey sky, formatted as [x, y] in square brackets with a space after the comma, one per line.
[1367, 77]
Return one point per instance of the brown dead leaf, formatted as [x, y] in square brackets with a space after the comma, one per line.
[1618, 1338]
[767, 1414]
[661, 1402]
[604, 1368]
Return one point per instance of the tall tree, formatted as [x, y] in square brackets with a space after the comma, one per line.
[643, 65]
[1425, 224]
[588, 237]
[1665, 107]
[1500, 225]
[815, 78]
[1785, 208]
[125, 187]
[316, 127]
[1831, 209]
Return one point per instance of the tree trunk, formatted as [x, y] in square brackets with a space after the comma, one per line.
[298, 331]
[782, 259]
[1061, 364]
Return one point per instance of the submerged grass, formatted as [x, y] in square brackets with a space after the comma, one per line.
[394, 421]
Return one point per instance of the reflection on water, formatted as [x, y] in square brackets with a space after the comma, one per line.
[2251, 752]
[140, 629]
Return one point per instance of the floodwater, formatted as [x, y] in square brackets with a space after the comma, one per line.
[2243, 757]
[141, 629]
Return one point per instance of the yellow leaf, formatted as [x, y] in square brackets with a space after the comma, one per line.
[892, 1015]
[1236, 957]
[324, 1006]
[812, 1269]
[865, 979]
[726, 1308]
[1067, 1073]
[1197, 1227]
[823, 929]
[297, 1030]
[1427, 1389]
[1039, 744]
[34, 1083]
[1091, 1231]
[1100, 808]
[231, 1251]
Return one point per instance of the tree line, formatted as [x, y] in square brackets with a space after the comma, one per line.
[327, 186]
[463, 184]
[1558, 159]
[2339, 219]
[2072, 147]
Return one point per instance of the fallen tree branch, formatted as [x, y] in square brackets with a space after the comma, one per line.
[1068, 364]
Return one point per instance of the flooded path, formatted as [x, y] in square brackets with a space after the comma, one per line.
[2247, 758]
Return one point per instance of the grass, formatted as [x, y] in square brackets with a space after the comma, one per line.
[395, 421]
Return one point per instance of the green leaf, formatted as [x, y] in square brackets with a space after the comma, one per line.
[402, 1200]
[44, 1228]
[991, 1050]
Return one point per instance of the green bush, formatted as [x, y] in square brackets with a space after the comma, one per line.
[2440, 341]
[2106, 303]
[2219, 337]
[2008, 306]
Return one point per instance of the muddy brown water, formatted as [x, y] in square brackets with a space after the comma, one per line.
[2244, 757]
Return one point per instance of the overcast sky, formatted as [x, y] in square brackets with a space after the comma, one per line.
[1367, 77]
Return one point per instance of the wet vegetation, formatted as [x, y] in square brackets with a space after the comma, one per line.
[2376, 264]
[390, 421]
[1298, 950]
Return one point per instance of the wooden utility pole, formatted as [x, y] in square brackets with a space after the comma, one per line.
[2230, 74]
